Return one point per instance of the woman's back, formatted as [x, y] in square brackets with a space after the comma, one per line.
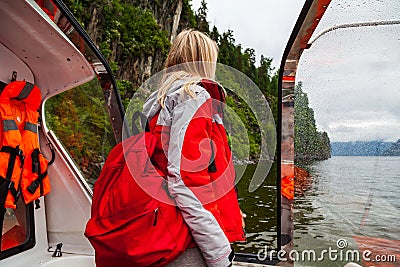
[203, 143]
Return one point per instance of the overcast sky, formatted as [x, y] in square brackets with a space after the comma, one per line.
[351, 76]
[264, 25]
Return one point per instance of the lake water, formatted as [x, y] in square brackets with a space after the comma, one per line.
[350, 198]
[261, 209]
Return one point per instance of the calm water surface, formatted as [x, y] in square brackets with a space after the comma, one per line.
[349, 197]
[261, 209]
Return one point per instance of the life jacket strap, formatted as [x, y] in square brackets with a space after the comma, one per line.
[15, 193]
[144, 121]
[212, 167]
[25, 92]
[37, 169]
[35, 161]
[14, 152]
[38, 182]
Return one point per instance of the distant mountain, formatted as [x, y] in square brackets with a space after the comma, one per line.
[393, 150]
[362, 148]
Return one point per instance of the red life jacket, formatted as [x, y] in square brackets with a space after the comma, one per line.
[22, 167]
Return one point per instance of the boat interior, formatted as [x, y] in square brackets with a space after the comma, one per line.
[55, 54]
[34, 49]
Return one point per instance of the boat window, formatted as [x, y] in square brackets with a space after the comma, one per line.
[18, 230]
[79, 119]
[347, 96]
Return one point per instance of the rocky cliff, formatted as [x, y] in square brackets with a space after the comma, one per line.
[134, 35]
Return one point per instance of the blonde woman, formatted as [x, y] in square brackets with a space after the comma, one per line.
[192, 150]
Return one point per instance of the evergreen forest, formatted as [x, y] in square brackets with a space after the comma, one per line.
[309, 143]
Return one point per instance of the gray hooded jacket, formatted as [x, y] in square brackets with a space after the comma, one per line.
[178, 112]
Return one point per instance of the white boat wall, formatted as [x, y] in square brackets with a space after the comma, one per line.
[39, 52]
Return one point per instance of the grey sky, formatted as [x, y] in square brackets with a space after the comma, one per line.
[264, 25]
[352, 75]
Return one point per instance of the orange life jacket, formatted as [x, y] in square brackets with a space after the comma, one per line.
[49, 7]
[22, 166]
[287, 180]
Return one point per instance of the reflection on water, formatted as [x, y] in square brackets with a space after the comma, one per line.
[351, 198]
[261, 209]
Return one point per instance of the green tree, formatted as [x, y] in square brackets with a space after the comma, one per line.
[215, 34]
[201, 18]
[79, 119]
[309, 143]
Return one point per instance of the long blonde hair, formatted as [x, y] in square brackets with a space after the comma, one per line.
[192, 57]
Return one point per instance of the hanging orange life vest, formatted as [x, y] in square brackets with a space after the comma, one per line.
[22, 166]
[49, 7]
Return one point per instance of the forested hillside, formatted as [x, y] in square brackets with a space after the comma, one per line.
[361, 148]
[135, 35]
[309, 143]
[393, 150]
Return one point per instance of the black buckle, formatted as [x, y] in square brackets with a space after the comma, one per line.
[18, 152]
[35, 161]
[16, 194]
[32, 188]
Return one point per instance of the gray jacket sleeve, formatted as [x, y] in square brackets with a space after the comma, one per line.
[205, 229]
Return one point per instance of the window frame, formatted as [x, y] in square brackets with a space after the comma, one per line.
[31, 240]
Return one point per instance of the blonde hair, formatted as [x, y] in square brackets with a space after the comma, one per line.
[192, 57]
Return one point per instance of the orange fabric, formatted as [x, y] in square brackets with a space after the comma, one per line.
[49, 7]
[287, 187]
[288, 78]
[4, 157]
[27, 175]
[21, 112]
[289, 172]
[11, 138]
[287, 181]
